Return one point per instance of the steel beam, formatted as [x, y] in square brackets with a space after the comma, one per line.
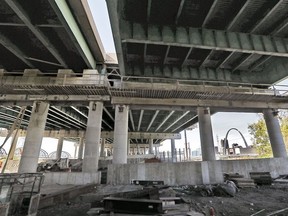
[179, 12]
[243, 61]
[74, 28]
[209, 15]
[4, 41]
[213, 40]
[236, 18]
[16, 7]
[149, 10]
[280, 28]
[271, 13]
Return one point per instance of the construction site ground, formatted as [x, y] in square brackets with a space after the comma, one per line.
[260, 201]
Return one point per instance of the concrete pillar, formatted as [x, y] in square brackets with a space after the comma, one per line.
[128, 146]
[102, 152]
[173, 150]
[275, 135]
[81, 148]
[120, 134]
[206, 134]
[151, 146]
[93, 133]
[138, 149]
[59, 147]
[13, 145]
[34, 136]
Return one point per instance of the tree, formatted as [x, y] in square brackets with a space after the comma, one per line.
[260, 137]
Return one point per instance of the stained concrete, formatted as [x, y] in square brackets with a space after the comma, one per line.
[207, 172]
[74, 178]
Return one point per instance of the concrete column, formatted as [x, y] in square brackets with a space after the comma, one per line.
[120, 134]
[59, 147]
[13, 145]
[102, 152]
[206, 134]
[81, 148]
[34, 136]
[128, 146]
[173, 150]
[138, 149]
[151, 146]
[275, 135]
[93, 134]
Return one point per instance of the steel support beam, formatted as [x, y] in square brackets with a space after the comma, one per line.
[74, 28]
[212, 39]
[9, 45]
[132, 120]
[271, 13]
[179, 11]
[16, 7]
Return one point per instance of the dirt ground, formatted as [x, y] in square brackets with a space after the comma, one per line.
[246, 202]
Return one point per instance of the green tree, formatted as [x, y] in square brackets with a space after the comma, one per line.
[260, 137]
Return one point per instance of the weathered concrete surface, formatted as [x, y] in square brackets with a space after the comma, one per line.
[54, 194]
[74, 178]
[207, 172]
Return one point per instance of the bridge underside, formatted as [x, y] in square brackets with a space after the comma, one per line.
[241, 41]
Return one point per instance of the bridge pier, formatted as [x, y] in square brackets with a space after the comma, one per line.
[206, 134]
[81, 147]
[59, 147]
[120, 134]
[93, 133]
[35, 131]
[275, 135]
[151, 146]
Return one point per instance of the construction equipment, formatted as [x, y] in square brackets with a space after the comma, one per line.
[61, 164]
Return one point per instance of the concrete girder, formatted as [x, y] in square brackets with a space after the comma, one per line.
[16, 7]
[15, 50]
[207, 39]
[233, 104]
[140, 120]
[109, 114]
[194, 120]
[243, 61]
[132, 120]
[70, 118]
[104, 134]
[60, 98]
[177, 120]
[78, 111]
[153, 119]
[164, 120]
